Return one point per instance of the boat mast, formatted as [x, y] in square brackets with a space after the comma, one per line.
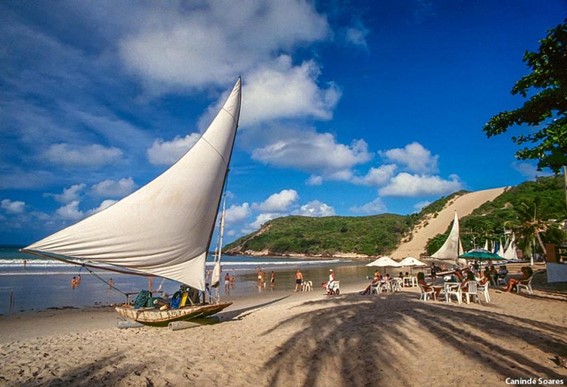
[227, 167]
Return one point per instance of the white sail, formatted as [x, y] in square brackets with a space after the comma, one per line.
[165, 227]
[500, 249]
[452, 247]
[510, 252]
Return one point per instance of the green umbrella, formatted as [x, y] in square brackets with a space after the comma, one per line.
[481, 254]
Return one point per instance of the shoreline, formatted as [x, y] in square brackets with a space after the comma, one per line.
[56, 291]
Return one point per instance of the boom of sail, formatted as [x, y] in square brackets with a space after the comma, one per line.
[165, 227]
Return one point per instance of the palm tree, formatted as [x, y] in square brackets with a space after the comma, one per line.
[529, 227]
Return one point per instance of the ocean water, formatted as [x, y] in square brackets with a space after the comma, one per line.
[28, 283]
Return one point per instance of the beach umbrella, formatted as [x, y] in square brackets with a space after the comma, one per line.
[384, 262]
[481, 255]
[411, 262]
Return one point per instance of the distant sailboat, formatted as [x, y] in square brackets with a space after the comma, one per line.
[500, 249]
[510, 252]
[452, 247]
[164, 228]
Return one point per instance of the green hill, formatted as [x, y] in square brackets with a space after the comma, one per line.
[368, 235]
[380, 234]
[543, 199]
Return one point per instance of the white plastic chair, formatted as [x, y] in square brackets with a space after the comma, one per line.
[453, 289]
[426, 294]
[471, 292]
[483, 289]
[527, 286]
[395, 284]
[375, 289]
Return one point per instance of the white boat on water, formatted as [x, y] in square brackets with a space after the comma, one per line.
[163, 229]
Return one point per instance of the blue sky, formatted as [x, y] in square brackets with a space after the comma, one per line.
[349, 107]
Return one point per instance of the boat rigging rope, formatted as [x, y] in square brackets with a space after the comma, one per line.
[100, 278]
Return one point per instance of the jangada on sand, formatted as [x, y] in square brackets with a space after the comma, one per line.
[163, 229]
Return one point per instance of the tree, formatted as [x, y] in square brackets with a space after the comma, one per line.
[530, 227]
[546, 109]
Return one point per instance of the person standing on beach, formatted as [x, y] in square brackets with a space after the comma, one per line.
[227, 284]
[272, 280]
[331, 280]
[433, 271]
[261, 280]
[298, 280]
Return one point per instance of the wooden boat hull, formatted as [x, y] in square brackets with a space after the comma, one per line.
[156, 317]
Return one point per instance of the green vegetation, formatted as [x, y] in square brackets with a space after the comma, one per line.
[370, 235]
[542, 201]
[545, 111]
[380, 234]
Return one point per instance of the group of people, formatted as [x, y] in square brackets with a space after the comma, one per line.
[377, 280]
[329, 285]
[460, 276]
[262, 279]
[229, 281]
[488, 275]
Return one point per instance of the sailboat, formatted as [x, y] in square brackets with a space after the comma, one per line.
[510, 252]
[164, 228]
[452, 248]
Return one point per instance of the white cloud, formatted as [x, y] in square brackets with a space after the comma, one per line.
[70, 211]
[313, 152]
[405, 184]
[82, 155]
[314, 180]
[281, 90]
[376, 176]
[69, 194]
[529, 170]
[202, 44]
[420, 205]
[374, 207]
[168, 152]
[104, 205]
[263, 218]
[113, 188]
[315, 208]
[237, 213]
[414, 157]
[278, 202]
[13, 206]
[357, 36]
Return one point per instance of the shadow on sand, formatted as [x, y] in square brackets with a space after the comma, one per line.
[370, 340]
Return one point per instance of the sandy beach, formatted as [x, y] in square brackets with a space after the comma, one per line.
[302, 339]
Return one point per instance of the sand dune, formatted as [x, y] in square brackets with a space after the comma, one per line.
[434, 225]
